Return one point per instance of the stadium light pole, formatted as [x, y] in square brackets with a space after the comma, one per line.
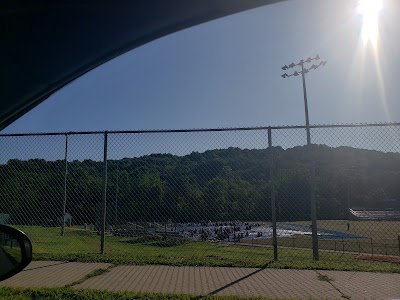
[302, 73]
[312, 192]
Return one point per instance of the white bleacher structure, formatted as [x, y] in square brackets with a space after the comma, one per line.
[376, 214]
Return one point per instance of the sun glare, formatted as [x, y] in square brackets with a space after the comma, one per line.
[369, 9]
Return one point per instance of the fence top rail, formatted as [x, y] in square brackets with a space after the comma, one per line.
[201, 129]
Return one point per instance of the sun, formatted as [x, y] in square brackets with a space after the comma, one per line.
[369, 9]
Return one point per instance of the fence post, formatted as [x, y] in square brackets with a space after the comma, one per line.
[116, 200]
[342, 245]
[372, 248]
[65, 187]
[273, 202]
[313, 209]
[398, 239]
[104, 200]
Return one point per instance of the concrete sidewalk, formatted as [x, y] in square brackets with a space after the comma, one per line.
[273, 283]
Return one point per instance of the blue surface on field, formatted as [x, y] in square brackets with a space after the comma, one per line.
[325, 233]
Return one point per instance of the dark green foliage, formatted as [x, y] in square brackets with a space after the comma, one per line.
[217, 185]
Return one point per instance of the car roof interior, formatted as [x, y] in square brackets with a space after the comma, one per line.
[47, 44]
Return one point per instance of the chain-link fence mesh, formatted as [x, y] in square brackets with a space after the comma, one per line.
[358, 195]
[206, 197]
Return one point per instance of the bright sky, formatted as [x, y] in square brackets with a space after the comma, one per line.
[227, 73]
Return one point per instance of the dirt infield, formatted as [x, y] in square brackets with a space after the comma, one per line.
[383, 258]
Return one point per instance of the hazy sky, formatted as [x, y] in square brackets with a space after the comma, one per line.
[227, 73]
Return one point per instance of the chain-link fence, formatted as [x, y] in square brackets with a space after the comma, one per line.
[222, 197]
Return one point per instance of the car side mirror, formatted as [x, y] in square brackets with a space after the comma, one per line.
[15, 251]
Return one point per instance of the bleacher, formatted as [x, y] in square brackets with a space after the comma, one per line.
[376, 214]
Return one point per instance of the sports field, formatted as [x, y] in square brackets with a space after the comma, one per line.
[370, 237]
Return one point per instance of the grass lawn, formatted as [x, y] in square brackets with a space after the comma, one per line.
[84, 246]
[67, 293]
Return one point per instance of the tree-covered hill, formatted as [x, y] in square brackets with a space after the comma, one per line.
[225, 184]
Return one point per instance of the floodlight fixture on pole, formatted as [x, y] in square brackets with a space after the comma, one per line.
[312, 168]
[303, 72]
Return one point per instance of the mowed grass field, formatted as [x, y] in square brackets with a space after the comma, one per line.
[8, 293]
[379, 237]
[84, 246]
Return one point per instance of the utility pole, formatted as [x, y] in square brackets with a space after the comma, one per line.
[312, 164]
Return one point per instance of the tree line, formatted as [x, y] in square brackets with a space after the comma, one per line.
[217, 185]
